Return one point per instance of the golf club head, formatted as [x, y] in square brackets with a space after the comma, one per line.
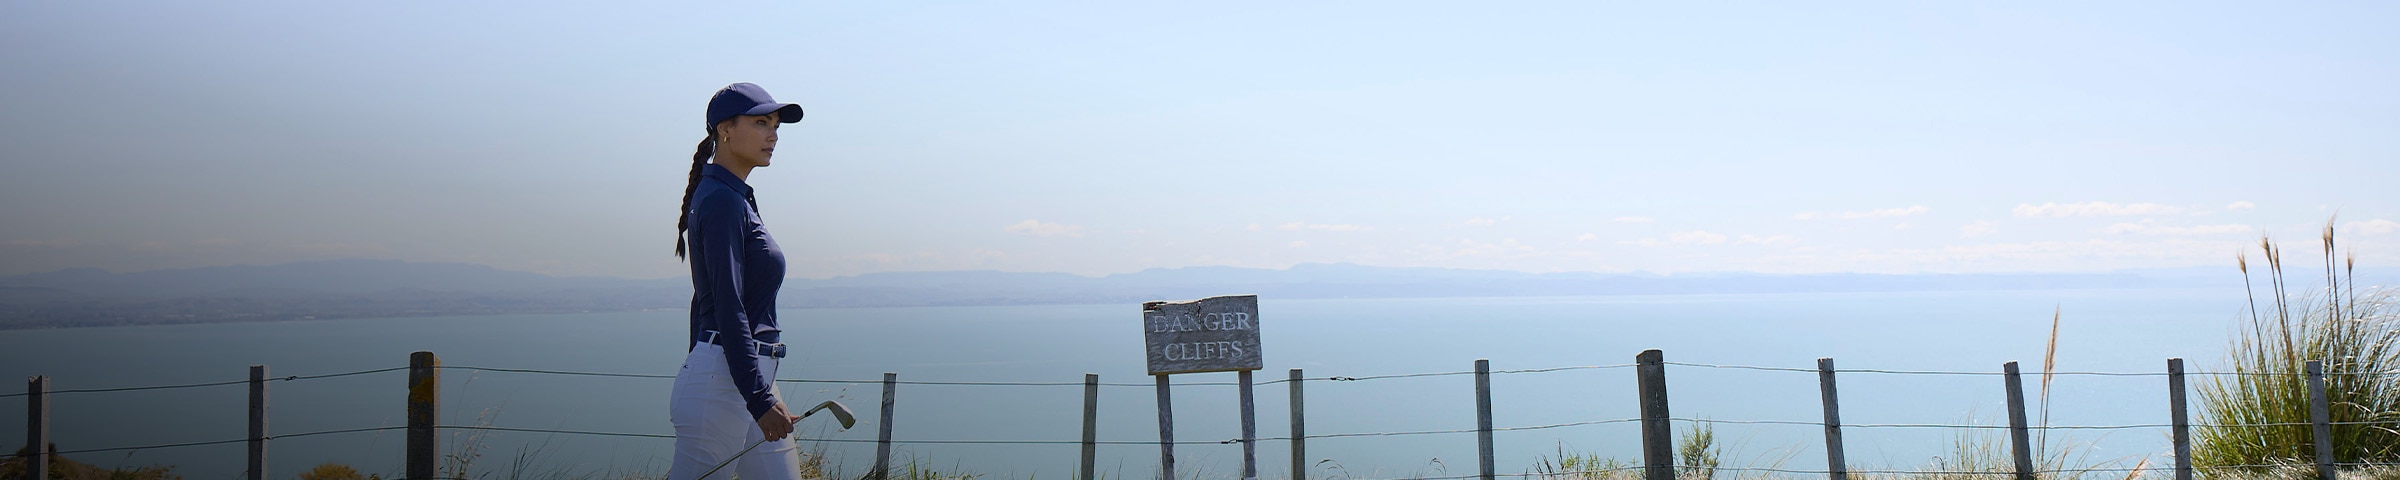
[841, 413]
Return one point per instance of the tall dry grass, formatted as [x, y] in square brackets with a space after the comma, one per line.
[2258, 418]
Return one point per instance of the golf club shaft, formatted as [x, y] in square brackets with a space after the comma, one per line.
[730, 459]
[746, 451]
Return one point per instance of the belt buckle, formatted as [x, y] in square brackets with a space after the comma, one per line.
[776, 350]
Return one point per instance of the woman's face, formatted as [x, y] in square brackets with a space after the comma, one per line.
[748, 139]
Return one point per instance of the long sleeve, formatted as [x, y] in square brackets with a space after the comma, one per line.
[720, 242]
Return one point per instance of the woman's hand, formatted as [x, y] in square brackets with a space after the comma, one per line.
[777, 422]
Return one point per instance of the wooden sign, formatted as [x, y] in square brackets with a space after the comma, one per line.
[1215, 334]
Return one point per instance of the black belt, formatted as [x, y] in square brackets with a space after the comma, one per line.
[758, 348]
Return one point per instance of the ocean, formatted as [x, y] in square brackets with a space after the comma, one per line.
[844, 352]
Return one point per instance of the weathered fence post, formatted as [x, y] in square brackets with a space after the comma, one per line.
[424, 396]
[2182, 419]
[37, 427]
[1249, 429]
[1658, 433]
[2318, 419]
[2020, 438]
[883, 428]
[1836, 467]
[258, 422]
[1483, 418]
[1091, 423]
[1166, 431]
[1299, 432]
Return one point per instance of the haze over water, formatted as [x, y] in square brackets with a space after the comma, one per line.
[2103, 330]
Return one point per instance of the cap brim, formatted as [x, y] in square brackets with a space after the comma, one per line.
[790, 112]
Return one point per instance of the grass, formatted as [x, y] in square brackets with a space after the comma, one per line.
[1973, 454]
[62, 468]
[2262, 414]
[1331, 469]
[1573, 465]
[1699, 456]
[1985, 454]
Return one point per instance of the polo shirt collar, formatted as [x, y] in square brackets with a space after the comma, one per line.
[726, 176]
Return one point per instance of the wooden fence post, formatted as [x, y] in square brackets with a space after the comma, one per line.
[424, 396]
[1249, 428]
[37, 427]
[1091, 423]
[258, 422]
[1837, 467]
[2020, 438]
[1299, 432]
[2182, 419]
[1483, 418]
[883, 429]
[2318, 419]
[1658, 434]
[1166, 430]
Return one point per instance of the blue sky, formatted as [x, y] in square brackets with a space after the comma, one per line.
[1096, 138]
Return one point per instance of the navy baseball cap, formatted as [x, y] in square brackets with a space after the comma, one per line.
[746, 99]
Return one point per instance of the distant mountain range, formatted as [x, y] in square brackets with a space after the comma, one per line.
[311, 290]
[371, 288]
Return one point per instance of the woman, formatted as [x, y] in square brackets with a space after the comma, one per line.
[725, 396]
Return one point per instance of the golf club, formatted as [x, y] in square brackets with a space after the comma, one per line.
[841, 414]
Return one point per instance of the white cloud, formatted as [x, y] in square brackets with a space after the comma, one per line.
[2147, 228]
[1876, 213]
[1586, 237]
[1045, 229]
[1978, 229]
[1632, 220]
[1506, 247]
[2086, 255]
[2240, 206]
[2374, 227]
[1485, 221]
[1704, 237]
[1322, 227]
[1299, 244]
[1769, 240]
[1696, 237]
[2093, 209]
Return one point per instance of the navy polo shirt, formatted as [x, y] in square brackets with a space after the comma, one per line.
[736, 270]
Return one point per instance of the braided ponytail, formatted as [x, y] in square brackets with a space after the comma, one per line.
[707, 148]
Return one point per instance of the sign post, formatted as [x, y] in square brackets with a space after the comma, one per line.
[1215, 334]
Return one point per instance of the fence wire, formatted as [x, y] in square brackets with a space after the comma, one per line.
[847, 440]
[237, 440]
[1042, 384]
[208, 384]
[1285, 438]
[1126, 384]
[1988, 373]
[1684, 469]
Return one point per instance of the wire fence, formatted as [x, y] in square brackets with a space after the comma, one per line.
[1313, 436]
[1148, 385]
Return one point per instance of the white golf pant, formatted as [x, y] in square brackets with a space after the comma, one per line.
[712, 423]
